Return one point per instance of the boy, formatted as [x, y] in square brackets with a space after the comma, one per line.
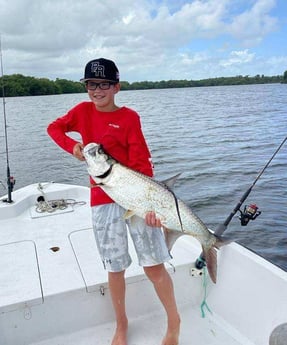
[118, 129]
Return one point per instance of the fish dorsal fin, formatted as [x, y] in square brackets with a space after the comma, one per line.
[128, 214]
[171, 181]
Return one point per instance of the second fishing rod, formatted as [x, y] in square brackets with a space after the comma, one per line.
[250, 212]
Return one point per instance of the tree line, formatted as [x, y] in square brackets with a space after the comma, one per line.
[221, 81]
[20, 85]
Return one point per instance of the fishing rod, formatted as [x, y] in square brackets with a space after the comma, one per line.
[250, 212]
[222, 227]
[10, 179]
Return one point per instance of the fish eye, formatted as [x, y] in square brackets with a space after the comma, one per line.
[92, 151]
[101, 150]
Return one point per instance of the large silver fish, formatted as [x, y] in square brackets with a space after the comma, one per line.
[139, 194]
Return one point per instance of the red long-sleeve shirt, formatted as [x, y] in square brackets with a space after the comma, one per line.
[119, 132]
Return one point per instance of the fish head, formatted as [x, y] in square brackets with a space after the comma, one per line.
[98, 161]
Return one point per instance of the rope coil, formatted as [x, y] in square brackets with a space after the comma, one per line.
[51, 206]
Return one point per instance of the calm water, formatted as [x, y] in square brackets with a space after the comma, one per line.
[219, 138]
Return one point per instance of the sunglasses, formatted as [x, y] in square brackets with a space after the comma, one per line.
[91, 85]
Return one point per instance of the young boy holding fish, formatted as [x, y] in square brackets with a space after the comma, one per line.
[118, 130]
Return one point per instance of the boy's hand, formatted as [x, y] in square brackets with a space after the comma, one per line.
[151, 220]
[78, 151]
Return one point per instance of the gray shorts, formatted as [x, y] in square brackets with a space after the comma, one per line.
[110, 229]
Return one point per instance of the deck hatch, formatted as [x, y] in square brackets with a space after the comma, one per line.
[20, 284]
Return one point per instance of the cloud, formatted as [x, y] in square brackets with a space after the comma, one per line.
[149, 39]
[237, 58]
[251, 26]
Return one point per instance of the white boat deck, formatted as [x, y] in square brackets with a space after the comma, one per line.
[149, 330]
[53, 288]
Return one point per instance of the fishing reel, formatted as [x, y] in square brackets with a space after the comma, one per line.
[250, 212]
[11, 182]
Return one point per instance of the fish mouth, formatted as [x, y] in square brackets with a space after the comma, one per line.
[91, 149]
[97, 161]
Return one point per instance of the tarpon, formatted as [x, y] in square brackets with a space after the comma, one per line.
[139, 194]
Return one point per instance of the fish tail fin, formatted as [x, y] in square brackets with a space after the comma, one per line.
[222, 241]
[210, 255]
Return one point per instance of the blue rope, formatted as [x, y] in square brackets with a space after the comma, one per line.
[204, 303]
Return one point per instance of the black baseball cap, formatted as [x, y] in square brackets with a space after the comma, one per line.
[101, 69]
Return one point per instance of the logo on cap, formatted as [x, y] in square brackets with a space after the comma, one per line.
[98, 69]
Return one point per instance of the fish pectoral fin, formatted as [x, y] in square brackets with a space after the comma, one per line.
[171, 236]
[128, 214]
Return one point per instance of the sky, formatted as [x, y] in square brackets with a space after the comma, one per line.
[148, 39]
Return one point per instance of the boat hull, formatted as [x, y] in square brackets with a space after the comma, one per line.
[53, 288]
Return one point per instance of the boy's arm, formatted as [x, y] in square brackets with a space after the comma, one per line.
[78, 151]
[57, 131]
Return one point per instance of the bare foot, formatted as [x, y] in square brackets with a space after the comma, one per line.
[120, 337]
[172, 334]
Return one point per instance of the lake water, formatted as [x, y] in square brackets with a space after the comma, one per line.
[219, 138]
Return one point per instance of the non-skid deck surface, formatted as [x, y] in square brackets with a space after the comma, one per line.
[150, 329]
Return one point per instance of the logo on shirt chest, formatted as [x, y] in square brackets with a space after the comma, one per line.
[114, 125]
